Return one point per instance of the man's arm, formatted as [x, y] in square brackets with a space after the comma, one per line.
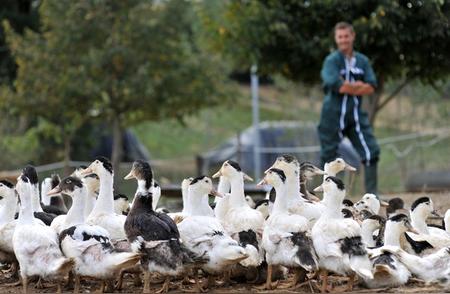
[358, 88]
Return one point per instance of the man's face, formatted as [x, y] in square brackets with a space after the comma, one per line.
[344, 39]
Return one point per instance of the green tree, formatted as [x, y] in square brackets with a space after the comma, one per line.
[118, 62]
[406, 40]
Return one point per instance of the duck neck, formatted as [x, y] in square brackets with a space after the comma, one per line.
[280, 205]
[329, 171]
[418, 221]
[44, 190]
[105, 199]
[392, 235]
[367, 235]
[75, 215]
[26, 214]
[197, 204]
[333, 204]
[89, 203]
[142, 186]
[237, 195]
[292, 190]
[8, 209]
[36, 201]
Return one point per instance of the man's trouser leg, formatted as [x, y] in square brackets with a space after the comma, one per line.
[362, 138]
[329, 137]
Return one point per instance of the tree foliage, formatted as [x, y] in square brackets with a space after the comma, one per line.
[405, 39]
[117, 62]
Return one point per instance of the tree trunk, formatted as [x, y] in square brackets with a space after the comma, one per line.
[117, 147]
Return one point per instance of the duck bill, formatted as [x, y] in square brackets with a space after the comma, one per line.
[130, 175]
[261, 183]
[216, 193]
[86, 171]
[349, 167]
[319, 189]
[435, 213]
[247, 177]
[217, 175]
[319, 172]
[384, 203]
[412, 230]
[55, 191]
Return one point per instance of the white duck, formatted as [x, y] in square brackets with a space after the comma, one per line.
[431, 268]
[427, 239]
[371, 203]
[421, 209]
[222, 204]
[286, 239]
[88, 245]
[142, 172]
[203, 233]
[31, 174]
[8, 204]
[369, 227]
[388, 270]
[337, 240]
[36, 246]
[243, 223]
[334, 167]
[296, 203]
[92, 183]
[103, 213]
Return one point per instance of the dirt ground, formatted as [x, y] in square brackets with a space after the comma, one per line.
[441, 201]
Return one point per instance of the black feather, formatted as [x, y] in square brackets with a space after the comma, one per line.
[272, 195]
[7, 183]
[289, 158]
[46, 218]
[106, 163]
[386, 259]
[347, 202]
[248, 238]
[55, 180]
[280, 173]
[235, 165]
[340, 185]
[394, 204]
[353, 246]
[261, 202]
[398, 217]
[418, 246]
[419, 201]
[304, 252]
[347, 213]
[197, 179]
[30, 172]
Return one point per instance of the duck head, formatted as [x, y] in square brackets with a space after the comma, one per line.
[423, 208]
[274, 177]
[101, 166]
[71, 186]
[288, 164]
[309, 170]
[92, 183]
[202, 186]
[336, 166]
[141, 170]
[7, 191]
[230, 170]
[369, 202]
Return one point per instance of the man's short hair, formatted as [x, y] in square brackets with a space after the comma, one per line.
[343, 25]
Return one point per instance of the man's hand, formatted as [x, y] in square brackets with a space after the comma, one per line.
[356, 88]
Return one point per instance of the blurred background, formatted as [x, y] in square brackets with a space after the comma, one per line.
[171, 82]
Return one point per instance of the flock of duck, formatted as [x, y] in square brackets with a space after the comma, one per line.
[234, 239]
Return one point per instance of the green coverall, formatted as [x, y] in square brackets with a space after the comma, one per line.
[342, 115]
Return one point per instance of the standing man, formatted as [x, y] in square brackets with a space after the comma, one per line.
[347, 76]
